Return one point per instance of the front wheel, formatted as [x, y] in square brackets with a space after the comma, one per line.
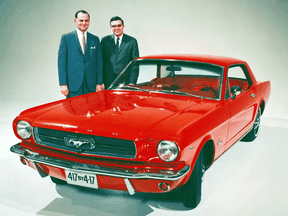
[255, 129]
[191, 191]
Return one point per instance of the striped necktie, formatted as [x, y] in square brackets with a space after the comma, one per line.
[83, 43]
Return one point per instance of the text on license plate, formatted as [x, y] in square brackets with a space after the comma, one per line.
[81, 179]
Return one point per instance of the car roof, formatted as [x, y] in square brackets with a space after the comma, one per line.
[217, 60]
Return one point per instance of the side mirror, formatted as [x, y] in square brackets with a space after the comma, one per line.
[235, 90]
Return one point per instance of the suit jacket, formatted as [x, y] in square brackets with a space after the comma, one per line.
[73, 65]
[114, 62]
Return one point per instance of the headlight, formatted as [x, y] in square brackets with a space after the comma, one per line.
[167, 151]
[24, 129]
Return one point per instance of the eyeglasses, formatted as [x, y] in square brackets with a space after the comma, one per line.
[114, 26]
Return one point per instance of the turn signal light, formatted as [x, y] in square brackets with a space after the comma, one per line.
[163, 186]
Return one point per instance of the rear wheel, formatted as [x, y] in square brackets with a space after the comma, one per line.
[58, 181]
[191, 191]
[255, 130]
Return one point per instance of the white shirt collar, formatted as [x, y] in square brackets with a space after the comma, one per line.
[80, 34]
[120, 39]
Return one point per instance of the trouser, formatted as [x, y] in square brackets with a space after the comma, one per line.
[82, 90]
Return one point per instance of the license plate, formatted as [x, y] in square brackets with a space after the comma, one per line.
[81, 179]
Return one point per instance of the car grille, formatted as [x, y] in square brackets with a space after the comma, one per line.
[104, 146]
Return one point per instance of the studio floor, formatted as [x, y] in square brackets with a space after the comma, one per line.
[249, 179]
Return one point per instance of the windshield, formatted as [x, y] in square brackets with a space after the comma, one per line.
[172, 77]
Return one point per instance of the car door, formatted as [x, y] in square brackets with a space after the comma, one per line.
[242, 105]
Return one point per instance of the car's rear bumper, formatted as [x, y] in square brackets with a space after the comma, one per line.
[141, 182]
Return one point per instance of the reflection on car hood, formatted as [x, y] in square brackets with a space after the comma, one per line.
[121, 114]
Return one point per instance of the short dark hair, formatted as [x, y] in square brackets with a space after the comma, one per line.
[116, 18]
[81, 11]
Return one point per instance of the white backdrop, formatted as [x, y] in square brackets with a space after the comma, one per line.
[247, 180]
[252, 30]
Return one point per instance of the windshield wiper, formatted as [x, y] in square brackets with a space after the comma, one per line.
[133, 88]
[175, 92]
[179, 93]
[162, 91]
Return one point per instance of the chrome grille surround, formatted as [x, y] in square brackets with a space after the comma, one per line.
[104, 146]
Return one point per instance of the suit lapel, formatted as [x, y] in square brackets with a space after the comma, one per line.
[88, 42]
[77, 41]
[123, 42]
[112, 43]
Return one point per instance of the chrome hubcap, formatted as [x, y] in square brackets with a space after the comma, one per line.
[257, 124]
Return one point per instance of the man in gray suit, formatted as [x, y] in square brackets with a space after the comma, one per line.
[80, 63]
[118, 50]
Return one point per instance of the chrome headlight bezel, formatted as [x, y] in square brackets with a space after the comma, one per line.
[24, 129]
[167, 151]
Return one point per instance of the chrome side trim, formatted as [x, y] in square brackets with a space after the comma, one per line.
[126, 174]
[129, 186]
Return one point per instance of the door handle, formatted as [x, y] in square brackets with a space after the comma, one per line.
[252, 95]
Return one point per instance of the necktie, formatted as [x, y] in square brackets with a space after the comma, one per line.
[83, 43]
[117, 45]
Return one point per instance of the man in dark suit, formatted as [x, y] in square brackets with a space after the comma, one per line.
[118, 50]
[80, 62]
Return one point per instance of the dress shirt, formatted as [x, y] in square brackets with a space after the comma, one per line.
[80, 36]
[120, 40]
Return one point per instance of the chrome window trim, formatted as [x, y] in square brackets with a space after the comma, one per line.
[180, 61]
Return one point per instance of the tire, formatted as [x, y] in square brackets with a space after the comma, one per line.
[58, 181]
[253, 133]
[191, 191]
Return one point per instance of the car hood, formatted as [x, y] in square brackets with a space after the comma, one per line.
[119, 114]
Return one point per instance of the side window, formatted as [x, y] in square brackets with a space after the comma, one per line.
[236, 72]
[236, 77]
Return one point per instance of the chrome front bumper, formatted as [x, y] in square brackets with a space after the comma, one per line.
[92, 169]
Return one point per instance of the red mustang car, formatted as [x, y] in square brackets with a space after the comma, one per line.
[161, 123]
